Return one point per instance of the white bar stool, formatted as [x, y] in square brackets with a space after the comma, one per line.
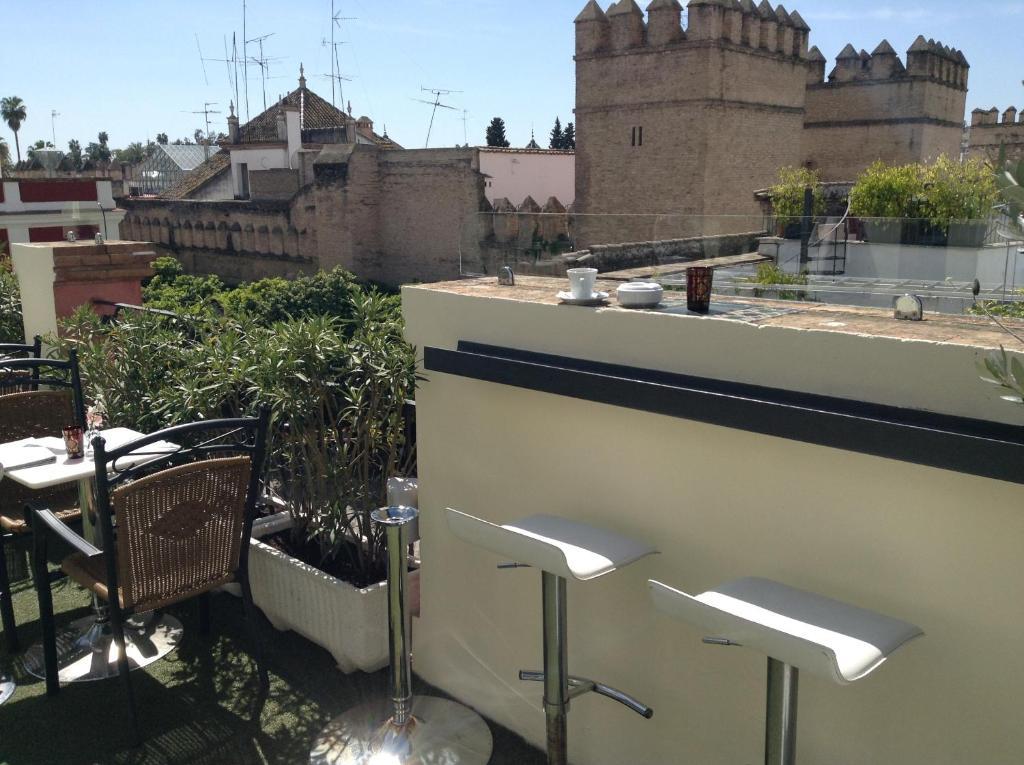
[560, 549]
[797, 630]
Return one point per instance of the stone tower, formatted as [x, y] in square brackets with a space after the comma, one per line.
[872, 107]
[685, 122]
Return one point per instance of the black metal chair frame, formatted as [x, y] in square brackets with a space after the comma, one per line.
[243, 436]
[65, 374]
[22, 350]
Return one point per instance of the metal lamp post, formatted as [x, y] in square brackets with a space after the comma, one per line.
[407, 730]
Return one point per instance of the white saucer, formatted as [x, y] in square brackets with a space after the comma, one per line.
[598, 298]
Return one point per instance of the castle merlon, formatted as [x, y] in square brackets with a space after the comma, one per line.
[925, 59]
[739, 22]
[990, 117]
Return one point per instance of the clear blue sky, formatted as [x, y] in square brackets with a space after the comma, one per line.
[131, 67]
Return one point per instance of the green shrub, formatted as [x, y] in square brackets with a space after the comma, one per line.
[11, 328]
[336, 381]
[769, 275]
[946, 190]
[788, 194]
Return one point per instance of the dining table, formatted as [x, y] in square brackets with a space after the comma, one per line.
[85, 648]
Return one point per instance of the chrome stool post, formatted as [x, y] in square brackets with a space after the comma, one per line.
[413, 729]
[797, 630]
[559, 548]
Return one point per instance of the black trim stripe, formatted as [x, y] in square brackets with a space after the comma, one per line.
[961, 444]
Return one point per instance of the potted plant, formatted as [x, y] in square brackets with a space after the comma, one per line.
[787, 197]
[336, 372]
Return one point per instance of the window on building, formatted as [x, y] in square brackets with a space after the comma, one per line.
[637, 136]
[243, 180]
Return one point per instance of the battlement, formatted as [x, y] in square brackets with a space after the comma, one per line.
[740, 22]
[926, 59]
[990, 117]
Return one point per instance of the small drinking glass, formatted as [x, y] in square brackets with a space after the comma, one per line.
[74, 441]
[698, 288]
[94, 416]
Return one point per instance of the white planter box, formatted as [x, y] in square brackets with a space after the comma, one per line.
[351, 623]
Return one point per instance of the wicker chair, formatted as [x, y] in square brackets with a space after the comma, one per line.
[38, 397]
[173, 529]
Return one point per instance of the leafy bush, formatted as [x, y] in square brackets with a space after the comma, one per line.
[788, 194]
[11, 328]
[336, 376]
[769, 275]
[944, 191]
[887, 191]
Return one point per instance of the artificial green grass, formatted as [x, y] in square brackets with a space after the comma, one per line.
[198, 705]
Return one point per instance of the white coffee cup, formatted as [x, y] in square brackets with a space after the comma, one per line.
[581, 282]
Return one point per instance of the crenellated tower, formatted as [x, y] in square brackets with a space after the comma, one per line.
[872, 107]
[988, 133]
[686, 121]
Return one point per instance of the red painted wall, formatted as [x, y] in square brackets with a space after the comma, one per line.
[46, 234]
[58, 191]
[87, 232]
[67, 296]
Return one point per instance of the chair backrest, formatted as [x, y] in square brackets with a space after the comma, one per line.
[22, 350]
[182, 517]
[28, 386]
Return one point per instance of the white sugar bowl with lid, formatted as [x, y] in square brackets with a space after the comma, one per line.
[639, 294]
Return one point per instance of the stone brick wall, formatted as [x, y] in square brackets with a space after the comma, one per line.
[988, 132]
[873, 108]
[392, 216]
[719, 105]
[277, 183]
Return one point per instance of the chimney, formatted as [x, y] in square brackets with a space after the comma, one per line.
[593, 32]
[233, 132]
[627, 25]
[664, 25]
[282, 124]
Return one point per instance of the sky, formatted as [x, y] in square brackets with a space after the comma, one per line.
[133, 68]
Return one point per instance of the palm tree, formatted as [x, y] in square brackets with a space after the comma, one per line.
[13, 111]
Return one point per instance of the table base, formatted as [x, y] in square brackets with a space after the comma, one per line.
[440, 731]
[86, 649]
[7, 687]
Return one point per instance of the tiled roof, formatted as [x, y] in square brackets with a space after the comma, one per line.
[315, 114]
[514, 150]
[192, 181]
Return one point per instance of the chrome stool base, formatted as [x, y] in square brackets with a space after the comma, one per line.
[439, 731]
[7, 686]
[86, 650]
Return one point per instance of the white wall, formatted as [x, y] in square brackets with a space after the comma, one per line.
[256, 159]
[33, 263]
[539, 174]
[934, 547]
[12, 200]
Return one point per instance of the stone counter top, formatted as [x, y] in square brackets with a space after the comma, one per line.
[974, 331]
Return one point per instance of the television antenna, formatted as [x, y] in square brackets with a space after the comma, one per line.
[263, 63]
[436, 103]
[54, 114]
[202, 61]
[335, 75]
[465, 133]
[206, 112]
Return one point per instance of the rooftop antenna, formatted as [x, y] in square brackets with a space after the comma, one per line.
[336, 19]
[206, 112]
[202, 61]
[465, 135]
[438, 92]
[54, 114]
[262, 63]
[245, 68]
